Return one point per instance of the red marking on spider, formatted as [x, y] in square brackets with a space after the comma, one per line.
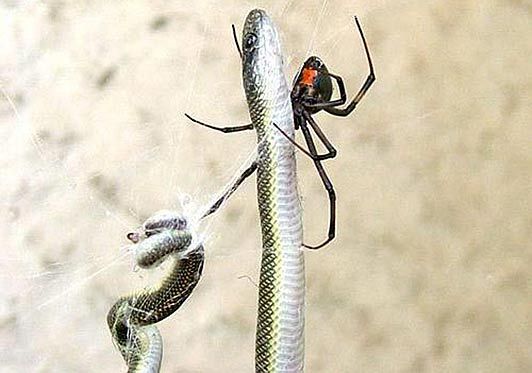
[308, 76]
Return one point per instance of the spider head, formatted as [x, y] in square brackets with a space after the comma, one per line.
[315, 63]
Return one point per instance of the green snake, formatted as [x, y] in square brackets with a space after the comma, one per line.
[131, 318]
[279, 344]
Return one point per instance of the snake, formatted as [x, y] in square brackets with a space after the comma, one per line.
[162, 237]
[279, 342]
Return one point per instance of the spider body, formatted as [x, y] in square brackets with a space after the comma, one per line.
[311, 92]
[311, 85]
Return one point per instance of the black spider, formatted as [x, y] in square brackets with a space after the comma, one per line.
[311, 92]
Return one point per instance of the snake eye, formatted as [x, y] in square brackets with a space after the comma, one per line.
[249, 41]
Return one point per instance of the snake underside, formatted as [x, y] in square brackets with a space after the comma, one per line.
[280, 320]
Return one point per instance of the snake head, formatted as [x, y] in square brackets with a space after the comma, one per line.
[133, 237]
[261, 52]
[157, 223]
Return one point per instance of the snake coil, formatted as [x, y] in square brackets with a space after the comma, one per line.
[163, 236]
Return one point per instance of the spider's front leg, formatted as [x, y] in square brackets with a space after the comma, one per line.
[365, 87]
[244, 127]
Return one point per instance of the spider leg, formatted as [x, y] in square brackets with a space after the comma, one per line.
[331, 151]
[305, 151]
[365, 87]
[315, 157]
[235, 37]
[216, 205]
[328, 104]
[328, 186]
[222, 129]
[226, 129]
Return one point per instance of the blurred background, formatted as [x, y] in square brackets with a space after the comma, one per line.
[431, 267]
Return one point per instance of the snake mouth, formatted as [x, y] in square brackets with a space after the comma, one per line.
[161, 221]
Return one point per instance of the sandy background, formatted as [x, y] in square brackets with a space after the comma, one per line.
[431, 269]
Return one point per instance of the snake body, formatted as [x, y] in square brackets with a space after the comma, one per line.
[280, 320]
[131, 319]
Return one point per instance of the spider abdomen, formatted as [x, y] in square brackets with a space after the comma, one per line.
[312, 85]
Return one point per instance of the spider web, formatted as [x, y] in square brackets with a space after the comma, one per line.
[69, 209]
[96, 143]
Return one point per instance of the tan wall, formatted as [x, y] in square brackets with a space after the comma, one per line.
[431, 267]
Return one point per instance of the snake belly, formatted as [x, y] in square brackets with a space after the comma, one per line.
[280, 321]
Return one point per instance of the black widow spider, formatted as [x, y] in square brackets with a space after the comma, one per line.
[311, 92]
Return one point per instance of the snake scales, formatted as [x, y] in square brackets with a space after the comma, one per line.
[279, 343]
[131, 319]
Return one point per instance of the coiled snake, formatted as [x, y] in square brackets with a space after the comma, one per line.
[130, 320]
